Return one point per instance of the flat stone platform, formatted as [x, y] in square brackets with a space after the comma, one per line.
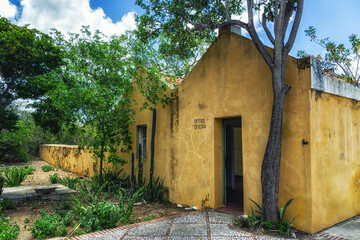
[21, 193]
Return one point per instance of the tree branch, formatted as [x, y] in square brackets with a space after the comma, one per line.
[253, 34]
[267, 31]
[203, 26]
[227, 10]
[295, 27]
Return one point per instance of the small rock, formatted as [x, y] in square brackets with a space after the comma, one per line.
[293, 235]
[243, 221]
[194, 208]
[179, 206]
[188, 208]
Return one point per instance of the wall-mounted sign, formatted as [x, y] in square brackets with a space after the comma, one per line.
[199, 123]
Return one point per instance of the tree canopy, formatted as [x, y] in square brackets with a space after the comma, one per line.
[25, 54]
[338, 56]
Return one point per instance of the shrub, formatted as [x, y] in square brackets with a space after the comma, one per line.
[282, 225]
[14, 176]
[70, 182]
[47, 168]
[48, 225]
[8, 232]
[97, 215]
[6, 204]
[156, 192]
[54, 178]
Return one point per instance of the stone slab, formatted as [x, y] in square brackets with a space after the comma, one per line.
[21, 193]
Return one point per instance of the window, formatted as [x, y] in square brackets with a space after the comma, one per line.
[141, 141]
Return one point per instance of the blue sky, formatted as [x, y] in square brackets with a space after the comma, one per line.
[333, 18]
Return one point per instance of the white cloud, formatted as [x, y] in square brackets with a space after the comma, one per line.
[69, 16]
[7, 9]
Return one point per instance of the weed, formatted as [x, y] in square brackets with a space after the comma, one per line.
[47, 168]
[255, 217]
[8, 232]
[26, 220]
[269, 225]
[7, 204]
[54, 178]
[97, 215]
[70, 182]
[155, 191]
[48, 225]
[14, 176]
[149, 218]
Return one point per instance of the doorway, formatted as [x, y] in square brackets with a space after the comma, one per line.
[232, 163]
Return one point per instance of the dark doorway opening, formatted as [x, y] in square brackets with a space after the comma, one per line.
[233, 163]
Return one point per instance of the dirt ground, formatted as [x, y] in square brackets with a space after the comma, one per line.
[26, 212]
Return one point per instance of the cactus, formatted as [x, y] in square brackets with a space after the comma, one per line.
[140, 166]
[153, 129]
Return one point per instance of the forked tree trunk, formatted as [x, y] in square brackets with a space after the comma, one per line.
[270, 170]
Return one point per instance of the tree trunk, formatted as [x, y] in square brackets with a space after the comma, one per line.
[270, 170]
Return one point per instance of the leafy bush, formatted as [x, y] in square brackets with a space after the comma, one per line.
[283, 226]
[48, 225]
[47, 168]
[97, 215]
[70, 182]
[8, 232]
[156, 192]
[14, 176]
[21, 143]
[55, 178]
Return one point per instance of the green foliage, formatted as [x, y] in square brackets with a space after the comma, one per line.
[93, 88]
[97, 215]
[282, 210]
[149, 218]
[156, 191]
[8, 232]
[269, 225]
[55, 178]
[21, 143]
[14, 176]
[338, 55]
[255, 217]
[26, 220]
[25, 54]
[70, 182]
[48, 225]
[47, 168]
[7, 204]
[282, 225]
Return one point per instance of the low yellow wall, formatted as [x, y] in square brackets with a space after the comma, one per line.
[70, 158]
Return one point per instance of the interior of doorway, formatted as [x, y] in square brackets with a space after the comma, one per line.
[233, 163]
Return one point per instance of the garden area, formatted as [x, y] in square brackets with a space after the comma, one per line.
[95, 207]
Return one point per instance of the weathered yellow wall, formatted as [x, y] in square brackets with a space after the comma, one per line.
[70, 158]
[335, 151]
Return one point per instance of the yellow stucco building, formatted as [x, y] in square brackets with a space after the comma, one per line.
[211, 138]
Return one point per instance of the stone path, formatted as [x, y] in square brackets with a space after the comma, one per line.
[201, 225]
[208, 225]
